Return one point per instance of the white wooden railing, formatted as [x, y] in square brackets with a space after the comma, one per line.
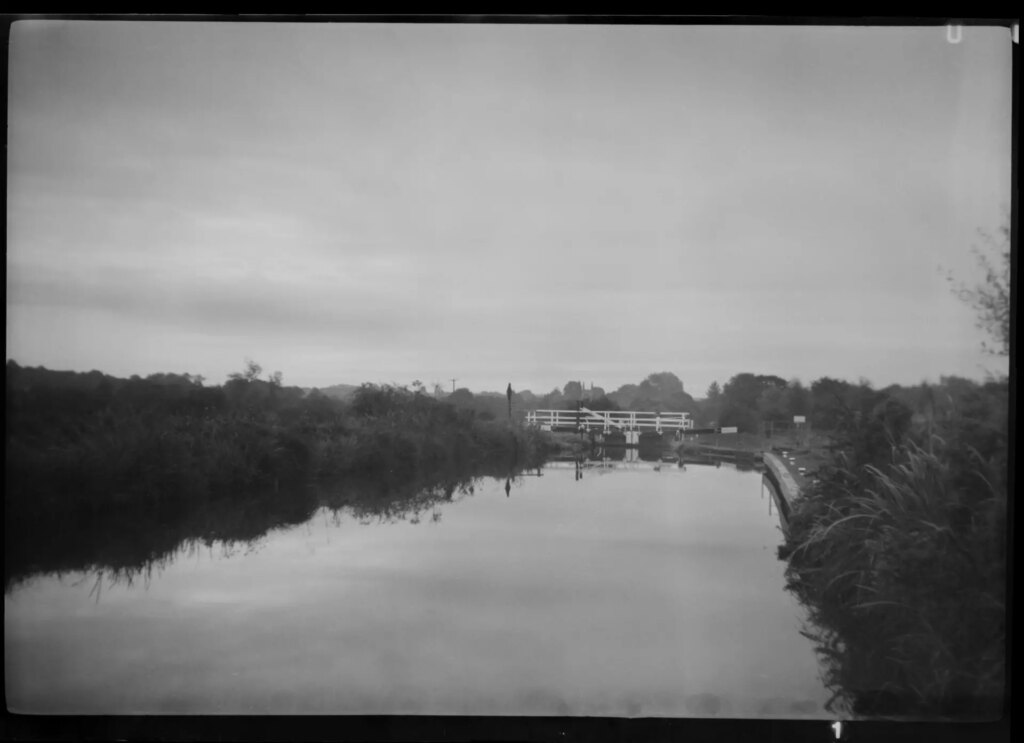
[607, 421]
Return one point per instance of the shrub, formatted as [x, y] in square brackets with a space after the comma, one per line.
[902, 567]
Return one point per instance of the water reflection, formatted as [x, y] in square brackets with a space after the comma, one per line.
[604, 456]
[616, 453]
[627, 594]
[124, 546]
[131, 540]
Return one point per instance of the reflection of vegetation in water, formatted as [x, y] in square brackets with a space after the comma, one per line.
[118, 472]
[615, 453]
[125, 548]
[131, 539]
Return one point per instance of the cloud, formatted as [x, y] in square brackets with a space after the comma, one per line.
[252, 304]
[549, 198]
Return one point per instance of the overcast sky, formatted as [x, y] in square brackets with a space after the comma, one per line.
[497, 203]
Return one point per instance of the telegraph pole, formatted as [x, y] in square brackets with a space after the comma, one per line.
[453, 383]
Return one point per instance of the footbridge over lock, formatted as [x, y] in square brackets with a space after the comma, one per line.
[609, 421]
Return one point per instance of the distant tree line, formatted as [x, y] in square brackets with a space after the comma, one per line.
[660, 392]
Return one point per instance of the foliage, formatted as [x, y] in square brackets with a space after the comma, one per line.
[709, 410]
[250, 374]
[990, 299]
[899, 552]
[624, 396]
[747, 399]
[96, 445]
[773, 404]
[573, 391]
[601, 402]
[662, 392]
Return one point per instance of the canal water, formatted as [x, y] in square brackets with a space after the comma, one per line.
[630, 590]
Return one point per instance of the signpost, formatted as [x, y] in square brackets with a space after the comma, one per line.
[799, 421]
[724, 429]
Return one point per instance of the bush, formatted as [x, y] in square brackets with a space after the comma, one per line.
[161, 442]
[902, 567]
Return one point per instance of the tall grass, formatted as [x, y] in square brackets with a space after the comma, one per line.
[94, 453]
[902, 567]
[83, 467]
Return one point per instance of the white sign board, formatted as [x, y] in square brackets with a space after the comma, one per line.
[799, 419]
[730, 429]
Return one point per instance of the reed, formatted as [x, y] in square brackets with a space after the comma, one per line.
[93, 455]
[902, 568]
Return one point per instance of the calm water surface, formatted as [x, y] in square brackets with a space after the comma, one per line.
[629, 592]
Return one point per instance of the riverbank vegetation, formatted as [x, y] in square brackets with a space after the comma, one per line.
[95, 447]
[899, 551]
[92, 439]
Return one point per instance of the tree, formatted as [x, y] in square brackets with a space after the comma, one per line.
[170, 379]
[462, 398]
[573, 391]
[771, 404]
[624, 396]
[746, 395]
[991, 299]
[525, 400]
[602, 402]
[744, 418]
[798, 398]
[553, 400]
[251, 374]
[744, 389]
[663, 391]
[828, 403]
[711, 406]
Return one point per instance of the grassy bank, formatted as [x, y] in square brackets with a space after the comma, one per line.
[161, 445]
[901, 562]
[119, 474]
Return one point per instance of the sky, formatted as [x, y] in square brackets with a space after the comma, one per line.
[524, 204]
